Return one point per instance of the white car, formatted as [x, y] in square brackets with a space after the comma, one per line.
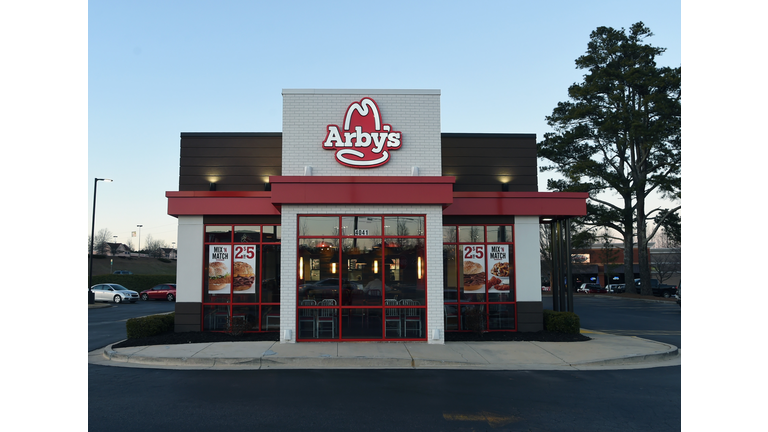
[114, 292]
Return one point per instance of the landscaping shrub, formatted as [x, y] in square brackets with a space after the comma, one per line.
[561, 322]
[149, 326]
[165, 260]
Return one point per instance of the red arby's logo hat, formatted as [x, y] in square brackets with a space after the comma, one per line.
[364, 142]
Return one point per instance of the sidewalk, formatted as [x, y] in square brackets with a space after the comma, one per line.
[604, 351]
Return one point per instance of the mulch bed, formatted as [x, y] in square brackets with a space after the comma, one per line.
[172, 338]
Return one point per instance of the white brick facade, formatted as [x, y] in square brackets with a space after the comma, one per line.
[307, 114]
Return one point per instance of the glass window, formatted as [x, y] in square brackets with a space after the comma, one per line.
[363, 323]
[473, 317]
[216, 318]
[218, 234]
[449, 234]
[404, 226]
[404, 269]
[450, 274]
[270, 283]
[271, 234]
[479, 277]
[501, 316]
[360, 226]
[318, 226]
[361, 266]
[471, 234]
[245, 318]
[500, 234]
[239, 274]
[247, 234]
[319, 270]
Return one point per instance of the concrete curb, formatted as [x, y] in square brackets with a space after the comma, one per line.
[265, 361]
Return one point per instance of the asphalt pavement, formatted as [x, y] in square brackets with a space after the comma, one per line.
[603, 351]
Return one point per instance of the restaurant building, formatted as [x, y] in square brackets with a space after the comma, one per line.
[361, 221]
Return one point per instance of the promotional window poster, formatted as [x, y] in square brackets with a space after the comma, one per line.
[219, 274]
[498, 269]
[244, 270]
[474, 269]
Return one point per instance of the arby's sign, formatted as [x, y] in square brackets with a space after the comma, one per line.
[363, 141]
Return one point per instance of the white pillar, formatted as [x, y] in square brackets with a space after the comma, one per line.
[189, 265]
[527, 259]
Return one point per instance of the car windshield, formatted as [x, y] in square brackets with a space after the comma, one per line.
[119, 287]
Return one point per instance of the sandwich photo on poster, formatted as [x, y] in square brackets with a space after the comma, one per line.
[498, 268]
[474, 269]
[219, 277]
[243, 270]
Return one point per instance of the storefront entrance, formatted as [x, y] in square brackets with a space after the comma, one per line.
[361, 277]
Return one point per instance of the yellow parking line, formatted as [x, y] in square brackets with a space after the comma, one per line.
[493, 420]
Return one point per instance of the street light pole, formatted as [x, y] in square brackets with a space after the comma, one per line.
[93, 229]
[139, 239]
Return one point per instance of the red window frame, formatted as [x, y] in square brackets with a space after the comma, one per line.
[486, 303]
[340, 307]
[230, 304]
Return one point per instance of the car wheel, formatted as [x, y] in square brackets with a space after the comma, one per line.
[170, 297]
[145, 297]
[118, 299]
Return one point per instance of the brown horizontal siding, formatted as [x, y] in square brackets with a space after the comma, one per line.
[238, 152]
[243, 161]
[482, 162]
[526, 170]
[196, 171]
[530, 317]
[495, 186]
[235, 161]
[187, 317]
[232, 161]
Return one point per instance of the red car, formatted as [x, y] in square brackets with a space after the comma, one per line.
[162, 291]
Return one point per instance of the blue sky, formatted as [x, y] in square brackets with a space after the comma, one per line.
[156, 69]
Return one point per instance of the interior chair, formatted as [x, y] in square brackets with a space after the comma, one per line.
[411, 315]
[392, 317]
[308, 317]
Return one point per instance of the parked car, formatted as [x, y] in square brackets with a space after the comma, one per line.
[658, 289]
[592, 288]
[158, 292]
[122, 272]
[113, 292]
[615, 288]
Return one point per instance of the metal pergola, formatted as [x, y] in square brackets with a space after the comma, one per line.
[562, 277]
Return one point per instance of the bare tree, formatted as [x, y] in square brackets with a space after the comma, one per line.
[101, 242]
[154, 248]
[666, 256]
